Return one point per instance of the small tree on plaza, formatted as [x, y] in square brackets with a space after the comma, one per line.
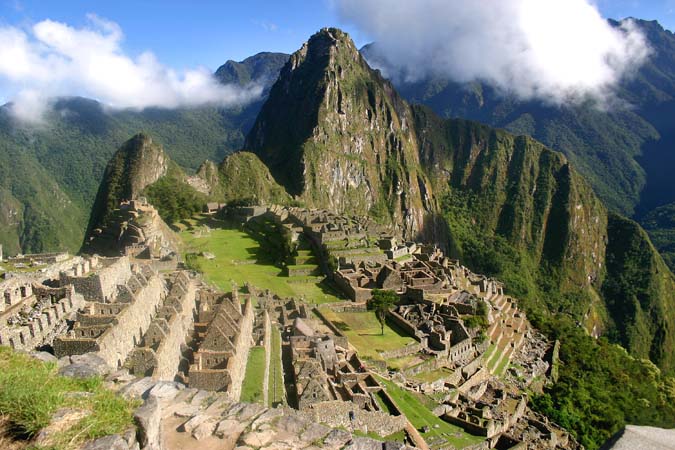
[381, 302]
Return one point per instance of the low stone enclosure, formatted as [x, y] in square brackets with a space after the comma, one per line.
[171, 325]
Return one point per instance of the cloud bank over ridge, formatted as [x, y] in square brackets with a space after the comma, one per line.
[52, 59]
[554, 50]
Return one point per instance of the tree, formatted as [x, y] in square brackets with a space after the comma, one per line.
[381, 302]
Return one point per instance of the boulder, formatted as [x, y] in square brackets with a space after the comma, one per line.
[147, 419]
[258, 438]
[45, 357]
[62, 420]
[93, 361]
[230, 430]
[138, 388]
[194, 422]
[112, 442]
[314, 432]
[360, 443]
[205, 429]
[166, 390]
[200, 397]
[337, 439]
[185, 410]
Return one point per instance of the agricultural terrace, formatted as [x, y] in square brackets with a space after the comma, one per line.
[417, 408]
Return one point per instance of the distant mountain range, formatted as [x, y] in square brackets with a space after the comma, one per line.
[49, 174]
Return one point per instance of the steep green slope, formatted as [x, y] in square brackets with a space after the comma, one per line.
[61, 161]
[243, 178]
[39, 224]
[261, 68]
[639, 290]
[519, 211]
[621, 151]
[660, 224]
[139, 163]
[334, 133]
[515, 209]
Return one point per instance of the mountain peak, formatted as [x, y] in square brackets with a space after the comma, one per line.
[138, 163]
[334, 133]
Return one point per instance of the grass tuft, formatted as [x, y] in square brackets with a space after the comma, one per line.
[31, 392]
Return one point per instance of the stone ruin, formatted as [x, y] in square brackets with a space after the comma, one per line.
[220, 361]
[173, 326]
[136, 230]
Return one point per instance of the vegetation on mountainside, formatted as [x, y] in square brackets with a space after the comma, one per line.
[244, 179]
[660, 224]
[174, 199]
[31, 392]
[639, 293]
[621, 151]
[516, 211]
[601, 387]
[56, 168]
[339, 119]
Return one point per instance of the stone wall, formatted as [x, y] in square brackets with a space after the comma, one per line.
[220, 363]
[47, 318]
[162, 349]
[403, 351]
[114, 341]
[404, 325]
[336, 414]
[102, 285]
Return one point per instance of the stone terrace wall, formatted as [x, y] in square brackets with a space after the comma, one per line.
[237, 364]
[335, 413]
[168, 353]
[42, 328]
[102, 285]
[119, 340]
[114, 341]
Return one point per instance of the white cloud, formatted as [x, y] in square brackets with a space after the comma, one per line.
[554, 50]
[266, 25]
[54, 59]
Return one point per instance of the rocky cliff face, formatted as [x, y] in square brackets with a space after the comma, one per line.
[137, 164]
[335, 134]
[523, 213]
[516, 188]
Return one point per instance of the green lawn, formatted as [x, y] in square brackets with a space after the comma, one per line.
[276, 380]
[433, 375]
[252, 388]
[239, 258]
[363, 331]
[421, 416]
[404, 362]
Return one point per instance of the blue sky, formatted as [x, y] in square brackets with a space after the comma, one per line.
[185, 34]
[188, 33]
